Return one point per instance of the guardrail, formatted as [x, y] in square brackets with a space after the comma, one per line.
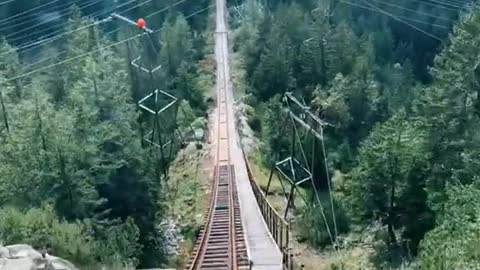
[278, 226]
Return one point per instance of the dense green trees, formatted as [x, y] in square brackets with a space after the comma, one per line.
[387, 182]
[74, 171]
[453, 244]
[405, 137]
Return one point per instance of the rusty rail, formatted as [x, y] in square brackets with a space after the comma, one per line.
[277, 225]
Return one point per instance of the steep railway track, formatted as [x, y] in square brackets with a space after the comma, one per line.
[221, 244]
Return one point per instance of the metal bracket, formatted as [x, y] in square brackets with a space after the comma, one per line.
[147, 139]
[156, 93]
[295, 168]
[135, 64]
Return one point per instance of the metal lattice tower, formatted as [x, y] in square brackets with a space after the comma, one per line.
[298, 171]
[159, 106]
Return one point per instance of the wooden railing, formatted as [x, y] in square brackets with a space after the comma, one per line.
[278, 226]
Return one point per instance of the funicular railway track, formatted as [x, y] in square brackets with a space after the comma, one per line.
[221, 244]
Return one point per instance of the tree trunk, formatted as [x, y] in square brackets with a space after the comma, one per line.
[393, 183]
[464, 115]
[40, 125]
[477, 103]
[18, 89]
[323, 65]
[391, 214]
[4, 111]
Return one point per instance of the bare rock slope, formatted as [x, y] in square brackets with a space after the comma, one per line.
[24, 257]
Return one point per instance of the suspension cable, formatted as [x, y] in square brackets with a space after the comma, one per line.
[414, 11]
[37, 44]
[56, 33]
[110, 32]
[398, 16]
[402, 21]
[13, 24]
[93, 51]
[2, 21]
[46, 21]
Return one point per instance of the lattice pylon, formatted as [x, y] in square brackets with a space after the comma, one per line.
[290, 169]
[302, 116]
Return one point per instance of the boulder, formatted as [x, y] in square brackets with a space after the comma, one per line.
[25, 257]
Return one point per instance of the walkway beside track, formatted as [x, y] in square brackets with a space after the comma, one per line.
[262, 249]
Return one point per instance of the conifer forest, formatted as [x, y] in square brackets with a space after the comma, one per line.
[396, 175]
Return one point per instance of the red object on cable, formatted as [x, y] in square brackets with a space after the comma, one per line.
[141, 23]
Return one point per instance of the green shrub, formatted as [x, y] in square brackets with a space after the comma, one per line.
[41, 228]
[312, 225]
[455, 241]
[255, 123]
[72, 241]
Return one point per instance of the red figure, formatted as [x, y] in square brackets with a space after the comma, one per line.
[141, 23]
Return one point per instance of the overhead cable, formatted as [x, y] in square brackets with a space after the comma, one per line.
[92, 52]
[6, 2]
[46, 21]
[397, 19]
[414, 11]
[36, 44]
[18, 22]
[399, 16]
[27, 11]
[117, 29]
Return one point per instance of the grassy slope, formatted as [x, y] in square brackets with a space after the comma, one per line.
[187, 189]
[187, 196]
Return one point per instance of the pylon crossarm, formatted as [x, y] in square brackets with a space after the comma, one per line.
[140, 103]
[147, 139]
[283, 161]
[157, 93]
[134, 63]
[299, 174]
[305, 110]
[307, 126]
[303, 181]
[174, 100]
[137, 65]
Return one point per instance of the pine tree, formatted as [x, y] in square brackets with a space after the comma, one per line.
[389, 162]
[177, 47]
[273, 74]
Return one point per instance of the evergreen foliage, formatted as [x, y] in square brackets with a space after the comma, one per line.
[75, 173]
[403, 96]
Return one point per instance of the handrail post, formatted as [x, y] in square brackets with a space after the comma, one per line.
[281, 236]
[275, 229]
[291, 261]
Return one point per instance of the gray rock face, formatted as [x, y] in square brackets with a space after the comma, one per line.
[24, 257]
[249, 142]
[172, 237]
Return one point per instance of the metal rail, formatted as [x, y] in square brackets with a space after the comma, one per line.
[221, 243]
